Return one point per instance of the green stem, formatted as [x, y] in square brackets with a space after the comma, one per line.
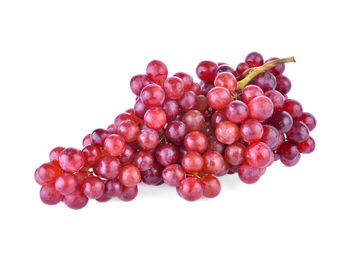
[253, 72]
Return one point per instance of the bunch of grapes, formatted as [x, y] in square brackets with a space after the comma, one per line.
[186, 134]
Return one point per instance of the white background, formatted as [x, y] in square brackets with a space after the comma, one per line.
[65, 68]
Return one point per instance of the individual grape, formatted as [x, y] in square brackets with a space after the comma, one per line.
[166, 154]
[260, 108]
[173, 88]
[66, 183]
[258, 155]
[87, 140]
[219, 98]
[76, 200]
[215, 145]
[119, 119]
[254, 59]
[227, 132]
[153, 176]
[293, 107]
[92, 154]
[191, 189]
[241, 67]
[196, 141]
[152, 95]
[171, 108]
[194, 120]
[270, 136]
[226, 80]
[202, 104]
[37, 178]
[48, 172]
[277, 99]
[128, 155]
[157, 71]
[298, 133]
[283, 84]
[113, 188]
[251, 130]
[93, 187]
[143, 160]
[237, 111]
[206, 71]
[129, 130]
[128, 193]
[192, 162]
[281, 139]
[155, 118]
[175, 131]
[248, 174]
[55, 154]
[211, 186]
[49, 195]
[114, 144]
[188, 101]
[277, 70]
[213, 162]
[251, 91]
[148, 139]
[281, 120]
[108, 167]
[235, 154]
[98, 137]
[309, 120]
[308, 146]
[265, 80]
[186, 79]
[138, 82]
[206, 87]
[292, 162]
[71, 160]
[140, 109]
[173, 174]
[129, 175]
[288, 150]
[224, 68]
[217, 117]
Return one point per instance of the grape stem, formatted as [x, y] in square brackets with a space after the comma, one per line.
[250, 73]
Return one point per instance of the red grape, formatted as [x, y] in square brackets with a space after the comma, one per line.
[129, 175]
[157, 71]
[191, 189]
[173, 174]
[227, 132]
[211, 186]
[49, 195]
[206, 71]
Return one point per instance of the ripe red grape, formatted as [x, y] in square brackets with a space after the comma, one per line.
[194, 120]
[191, 188]
[157, 71]
[251, 130]
[192, 162]
[173, 174]
[114, 144]
[174, 87]
[298, 133]
[307, 146]
[108, 167]
[277, 99]
[196, 141]
[235, 154]
[152, 95]
[248, 174]
[258, 155]
[129, 175]
[76, 200]
[143, 160]
[241, 67]
[237, 111]
[281, 120]
[227, 132]
[166, 154]
[92, 154]
[186, 79]
[213, 162]
[206, 71]
[254, 59]
[48, 172]
[226, 80]
[129, 130]
[55, 154]
[211, 186]
[138, 82]
[283, 84]
[260, 108]
[66, 183]
[49, 195]
[250, 92]
[293, 107]
[266, 81]
[155, 118]
[171, 108]
[93, 187]
[188, 101]
[148, 139]
[175, 131]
